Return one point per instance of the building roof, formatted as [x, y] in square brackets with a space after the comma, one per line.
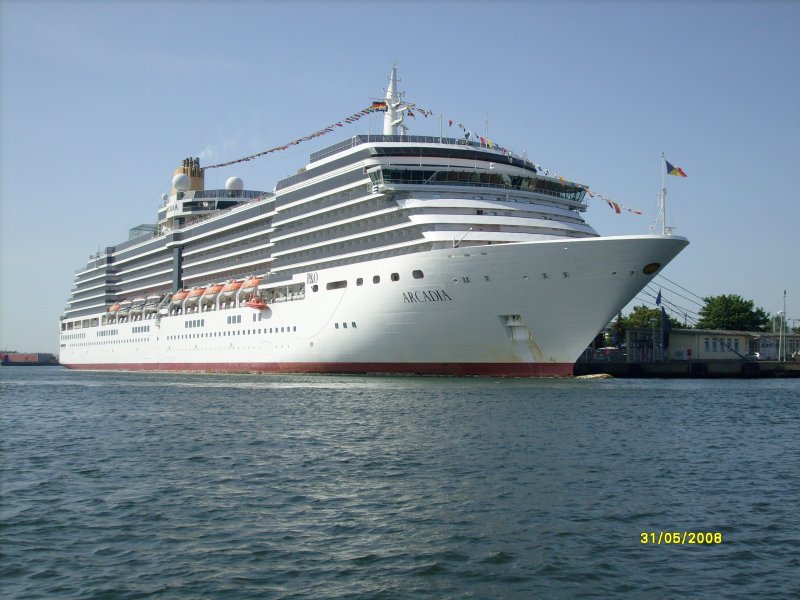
[750, 334]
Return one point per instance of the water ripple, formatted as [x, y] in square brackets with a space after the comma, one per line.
[175, 486]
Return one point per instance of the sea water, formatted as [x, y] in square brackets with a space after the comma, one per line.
[139, 485]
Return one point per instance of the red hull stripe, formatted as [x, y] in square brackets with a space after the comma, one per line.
[490, 369]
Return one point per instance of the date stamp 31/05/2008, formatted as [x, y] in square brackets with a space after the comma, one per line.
[680, 537]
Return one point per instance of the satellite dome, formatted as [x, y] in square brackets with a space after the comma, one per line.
[181, 182]
[234, 183]
[164, 197]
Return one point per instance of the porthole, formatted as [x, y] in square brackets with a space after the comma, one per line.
[376, 279]
[395, 277]
[417, 274]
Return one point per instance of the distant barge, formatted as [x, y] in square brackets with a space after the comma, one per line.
[28, 359]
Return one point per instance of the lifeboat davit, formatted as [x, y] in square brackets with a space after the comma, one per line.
[211, 293]
[137, 305]
[179, 297]
[124, 308]
[249, 286]
[193, 297]
[152, 303]
[230, 289]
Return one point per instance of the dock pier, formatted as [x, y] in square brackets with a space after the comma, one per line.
[699, 369]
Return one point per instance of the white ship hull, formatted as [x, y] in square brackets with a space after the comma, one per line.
[526, 309]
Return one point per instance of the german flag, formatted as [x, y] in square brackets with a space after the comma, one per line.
[673, 170]
[379, 106]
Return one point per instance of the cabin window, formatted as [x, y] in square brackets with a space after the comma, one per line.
[360, 281]
[395, 277]
[417, 274]
[376, 279]
[336, 285]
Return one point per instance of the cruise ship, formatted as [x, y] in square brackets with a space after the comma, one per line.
[391, 253]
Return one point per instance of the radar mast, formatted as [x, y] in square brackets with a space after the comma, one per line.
[395, 108]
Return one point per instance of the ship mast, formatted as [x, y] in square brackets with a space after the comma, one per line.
[395, 108]
[662, 203]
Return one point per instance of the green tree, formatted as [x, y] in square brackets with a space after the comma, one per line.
[731, 311]
[647, 318]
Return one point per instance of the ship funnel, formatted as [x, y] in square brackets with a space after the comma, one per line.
[191, 168]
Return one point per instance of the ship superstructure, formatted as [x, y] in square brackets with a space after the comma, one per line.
[385, 253]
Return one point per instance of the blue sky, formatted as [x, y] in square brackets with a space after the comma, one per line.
[100, 101]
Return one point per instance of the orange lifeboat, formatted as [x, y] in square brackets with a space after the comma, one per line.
[193, 297]
[249, 286]
[211, 293]
[112, 312]
[256, 302]
[179, 297]
[230, 289]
